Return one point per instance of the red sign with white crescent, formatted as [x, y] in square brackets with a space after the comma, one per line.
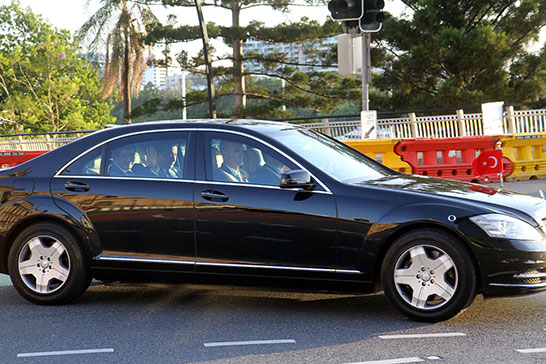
[488, 162]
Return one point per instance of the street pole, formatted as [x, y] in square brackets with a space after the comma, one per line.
[210, 82]
[366, 74]
[184, 112]
[368, 118]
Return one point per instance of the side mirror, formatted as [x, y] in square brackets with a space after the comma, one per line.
[297, 179]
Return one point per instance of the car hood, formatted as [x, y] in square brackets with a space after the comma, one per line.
[500, 198]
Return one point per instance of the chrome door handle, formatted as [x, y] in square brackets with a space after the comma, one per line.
[77, 186]
[214, 196]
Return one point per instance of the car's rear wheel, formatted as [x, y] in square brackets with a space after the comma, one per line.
[429, 275]
[47, 265]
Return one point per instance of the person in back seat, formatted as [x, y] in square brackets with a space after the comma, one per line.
[122, 160]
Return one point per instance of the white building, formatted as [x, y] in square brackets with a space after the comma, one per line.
[155, 75]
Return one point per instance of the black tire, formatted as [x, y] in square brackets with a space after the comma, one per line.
[47, 265]
[420, 292]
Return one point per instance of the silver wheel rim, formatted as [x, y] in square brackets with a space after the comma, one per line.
[425, 277]
[44, 264]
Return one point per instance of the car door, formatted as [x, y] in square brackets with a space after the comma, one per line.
[139, 216]
[252, 223]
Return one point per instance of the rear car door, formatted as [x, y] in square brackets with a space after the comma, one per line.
[139, 216]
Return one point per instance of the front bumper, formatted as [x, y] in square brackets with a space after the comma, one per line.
[518, 270]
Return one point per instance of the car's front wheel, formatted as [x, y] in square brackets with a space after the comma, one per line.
[47, 265]
[429, 275]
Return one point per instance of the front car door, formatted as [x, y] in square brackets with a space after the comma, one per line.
[246, 223]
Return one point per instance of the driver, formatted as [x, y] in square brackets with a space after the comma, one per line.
[233, 158]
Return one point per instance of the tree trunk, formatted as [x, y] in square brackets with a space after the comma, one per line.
[125, 80]
[237, 43]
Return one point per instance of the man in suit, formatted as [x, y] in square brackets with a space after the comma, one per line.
[233, 157]
[161, 161]
[122, 159]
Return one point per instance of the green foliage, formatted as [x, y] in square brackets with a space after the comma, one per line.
[45, 84]
[453, 53]
[316, 92]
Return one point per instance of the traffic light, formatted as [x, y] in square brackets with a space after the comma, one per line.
[346, 9]
[373, 15]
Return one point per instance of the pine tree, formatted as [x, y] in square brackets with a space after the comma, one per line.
[458, 53]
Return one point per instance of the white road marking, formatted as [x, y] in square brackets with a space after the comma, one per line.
[419, 336]
[530, 351]
[253, 342]
[67, 352]
[392, 361]
[5, 280]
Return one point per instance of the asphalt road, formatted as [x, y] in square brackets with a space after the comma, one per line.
[183, 324]
[147, 324]
[530, 187]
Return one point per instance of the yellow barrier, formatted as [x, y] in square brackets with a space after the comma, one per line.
[527, 153]
[382, 150]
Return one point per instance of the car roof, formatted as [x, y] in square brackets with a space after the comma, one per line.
[62, 155]
[251, 124]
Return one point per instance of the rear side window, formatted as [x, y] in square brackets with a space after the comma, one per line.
[87, 165]
[159, 155]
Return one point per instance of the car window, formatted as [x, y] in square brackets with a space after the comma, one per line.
[151, 155]
[237, 159]
[332, 157]
[87, 165]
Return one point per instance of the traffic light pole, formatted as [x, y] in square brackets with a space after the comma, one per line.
[366, 74]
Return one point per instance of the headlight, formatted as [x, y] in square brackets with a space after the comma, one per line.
[504, 226]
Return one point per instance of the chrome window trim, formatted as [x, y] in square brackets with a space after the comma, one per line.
[126, 178]
[519, 285]
[214, 264]
[119, 258]
[61, 170]
[222, 183]
[154, 179]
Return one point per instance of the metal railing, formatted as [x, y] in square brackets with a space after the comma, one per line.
[39, 141]
[439, 126]
[412, 126]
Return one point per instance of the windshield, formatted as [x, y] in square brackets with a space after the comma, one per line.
[332, 157]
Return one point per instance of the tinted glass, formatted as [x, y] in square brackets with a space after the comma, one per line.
[332, 157]
[151, 155]
[237, 159]
[89, 164]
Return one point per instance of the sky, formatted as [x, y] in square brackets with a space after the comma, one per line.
[72, 14]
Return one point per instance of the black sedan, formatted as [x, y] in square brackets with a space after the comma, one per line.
[260, 203]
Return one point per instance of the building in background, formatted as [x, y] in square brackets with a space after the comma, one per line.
[156, 76]
[295, 53]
